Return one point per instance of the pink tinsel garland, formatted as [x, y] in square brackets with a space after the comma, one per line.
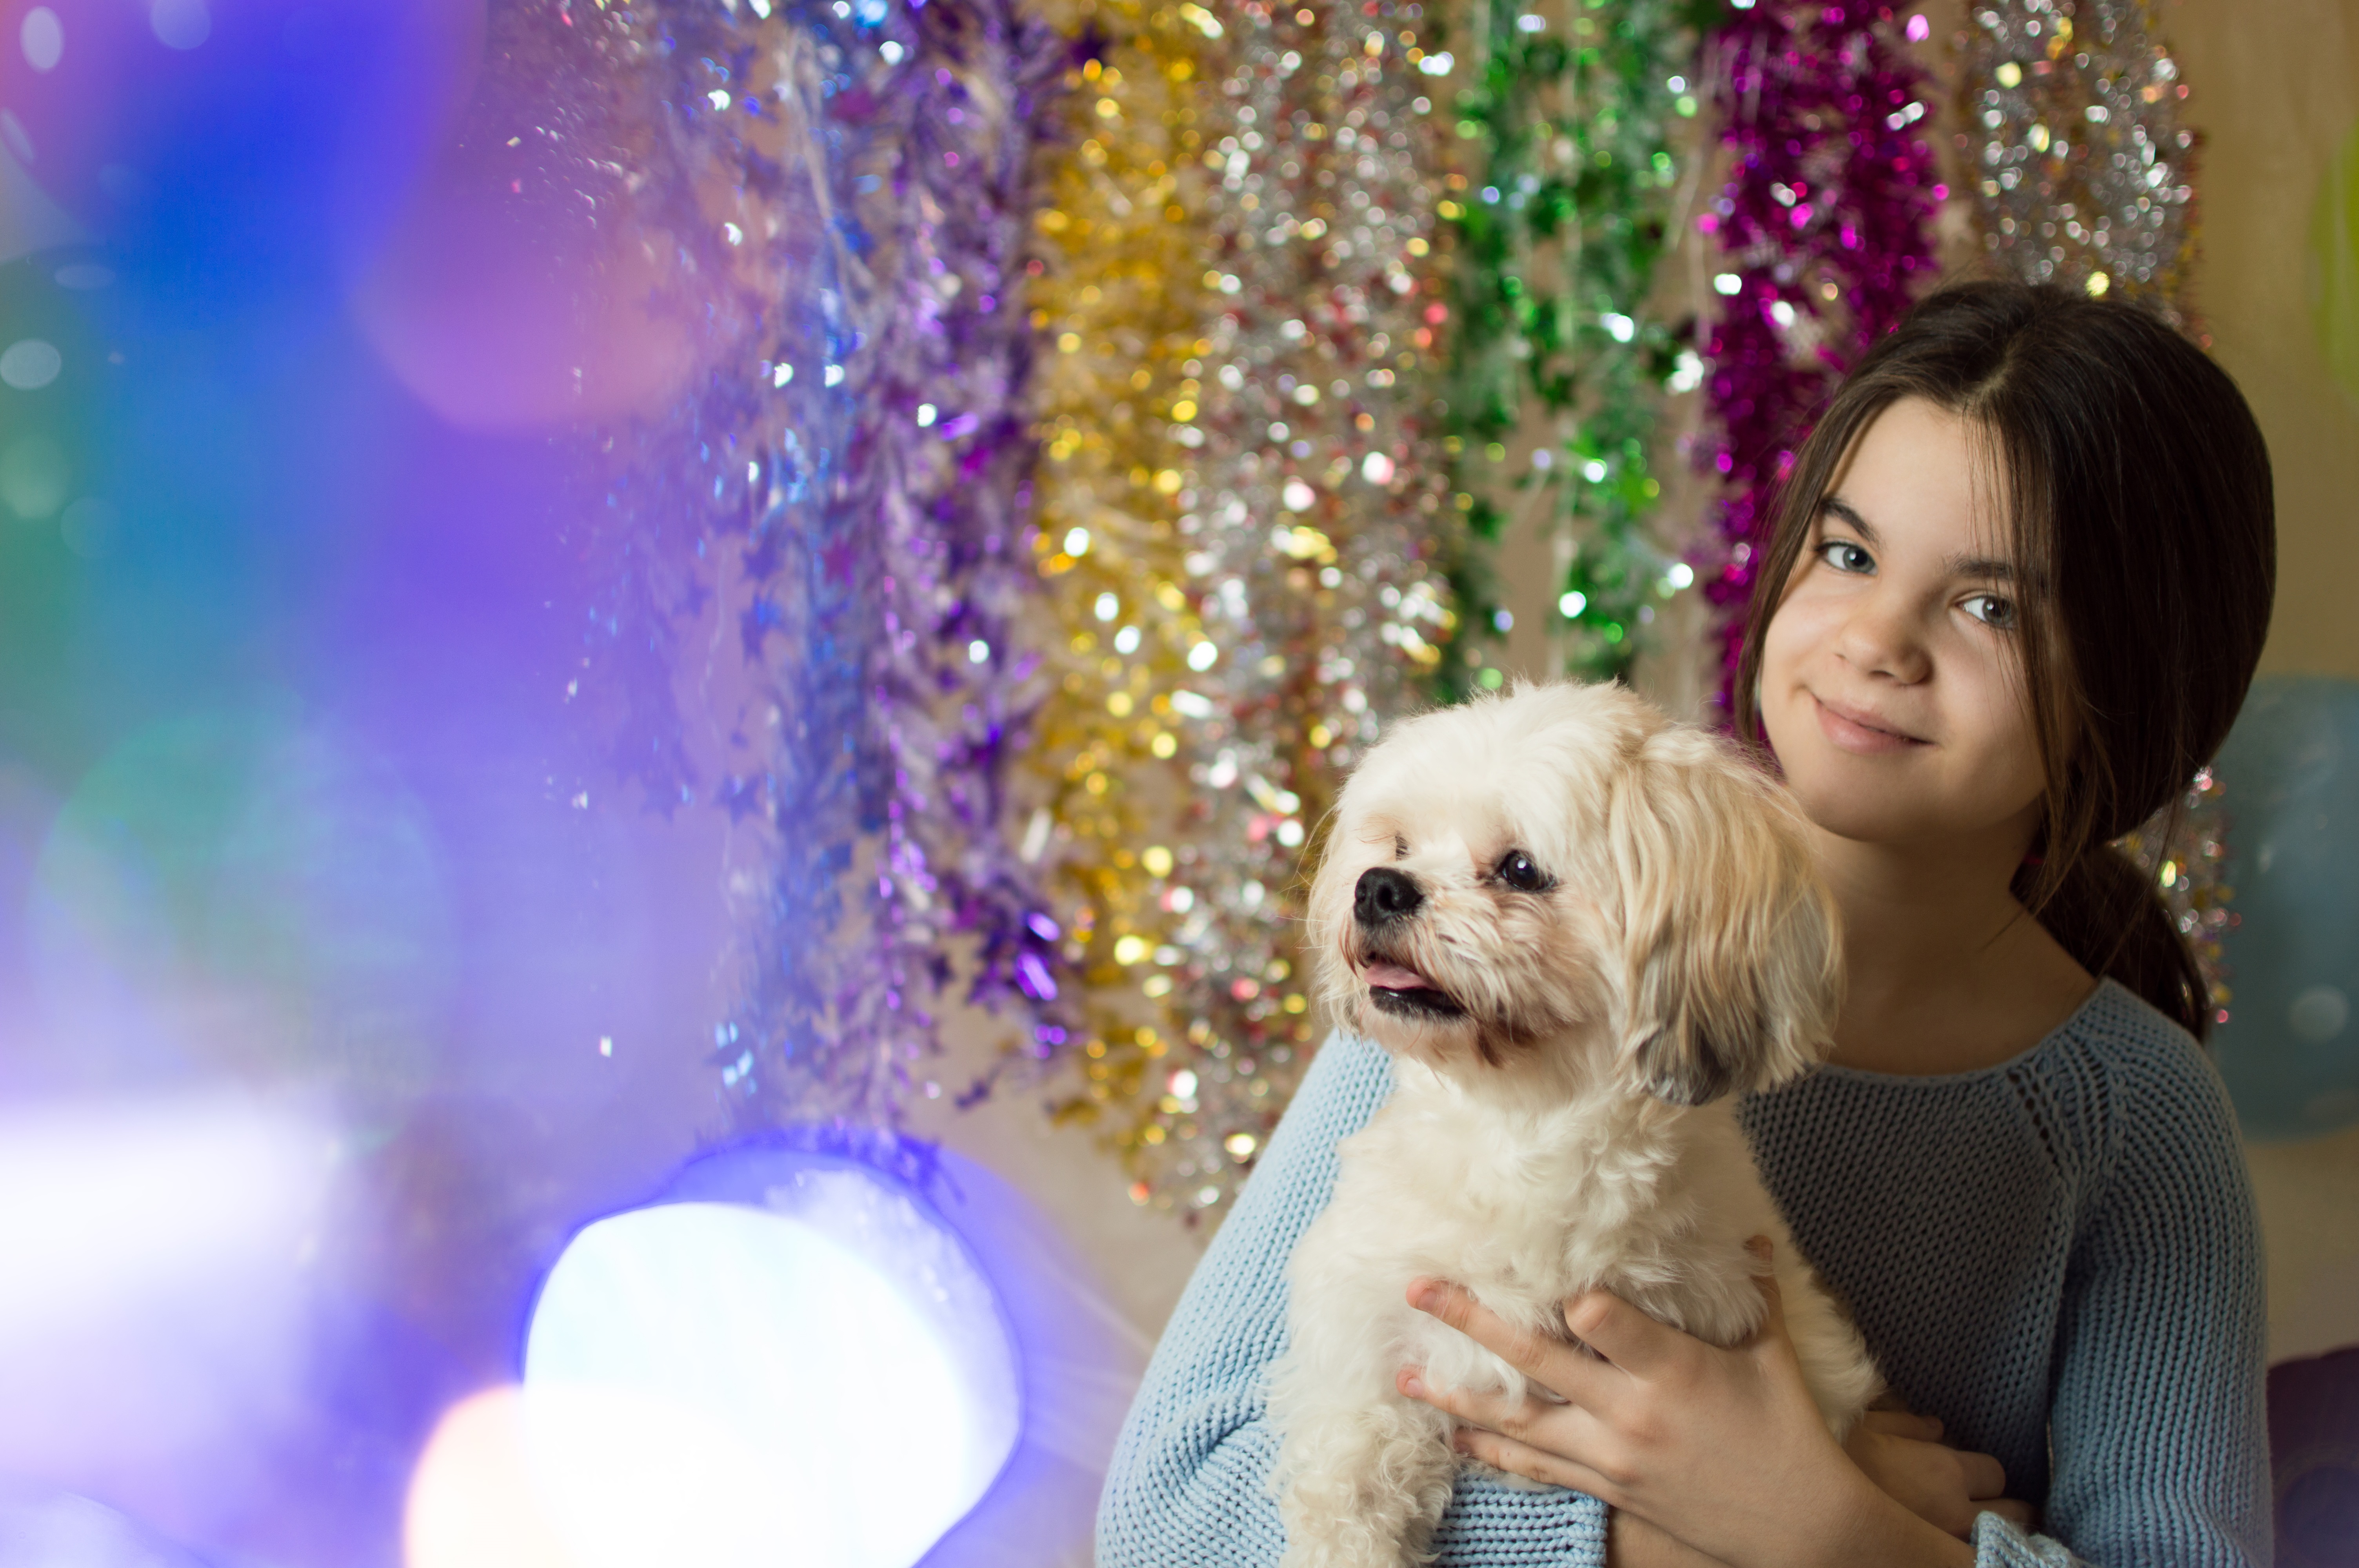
[1823, 229]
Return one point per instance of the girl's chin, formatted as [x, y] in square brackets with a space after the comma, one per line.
[1866, 798]
[1870, 827]
[1896, 820]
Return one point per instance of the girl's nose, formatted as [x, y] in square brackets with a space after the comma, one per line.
[1881, 638]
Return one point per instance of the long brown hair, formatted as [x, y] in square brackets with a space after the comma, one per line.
[2138, 496]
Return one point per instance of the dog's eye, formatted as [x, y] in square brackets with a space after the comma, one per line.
[1400, 847]
[1519, 871]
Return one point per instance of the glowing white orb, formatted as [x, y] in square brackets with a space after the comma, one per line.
[825, 1379]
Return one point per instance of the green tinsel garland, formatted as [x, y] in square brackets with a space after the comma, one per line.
[1558, 237]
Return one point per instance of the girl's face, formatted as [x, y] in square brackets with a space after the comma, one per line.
[1891, 682]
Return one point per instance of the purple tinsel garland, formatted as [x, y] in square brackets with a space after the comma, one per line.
[1823, 230]
[862, 472]
[955, 453]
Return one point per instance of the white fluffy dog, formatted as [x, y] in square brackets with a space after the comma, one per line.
[1578, 928]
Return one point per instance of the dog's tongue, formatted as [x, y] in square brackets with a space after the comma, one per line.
[1393, 978]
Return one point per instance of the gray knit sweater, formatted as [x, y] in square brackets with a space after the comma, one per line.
[2057, 1256]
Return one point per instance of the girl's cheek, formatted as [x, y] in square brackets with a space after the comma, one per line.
[2000, 714]
[1780, 653]
[1778, 641]
[1802, 625]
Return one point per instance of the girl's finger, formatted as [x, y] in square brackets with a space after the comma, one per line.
[1472, 1407]
[1901, 1423]
[1984, 1475]
[2018, 1514]
[1504, 1453]
[1566, 1431]
[1622, 1334]
[1553, 1364]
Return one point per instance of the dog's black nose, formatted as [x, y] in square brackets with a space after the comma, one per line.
[1384, 894]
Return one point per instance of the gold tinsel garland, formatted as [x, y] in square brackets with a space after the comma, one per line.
[1239, 517]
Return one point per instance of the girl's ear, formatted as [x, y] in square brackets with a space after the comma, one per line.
[1729, 938]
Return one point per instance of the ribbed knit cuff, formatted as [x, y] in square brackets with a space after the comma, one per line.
[1484, 1526]
[1998, 1544]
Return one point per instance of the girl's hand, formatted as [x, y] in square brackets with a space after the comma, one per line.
[1899, 1451]
[1723, 1450]
[1632, 1542]
[1903, 1454]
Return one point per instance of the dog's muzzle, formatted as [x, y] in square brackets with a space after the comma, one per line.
[1384, 895]
[1384, 898]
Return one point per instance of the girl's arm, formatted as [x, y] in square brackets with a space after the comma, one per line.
[1189, 1485]
[2158, 1427]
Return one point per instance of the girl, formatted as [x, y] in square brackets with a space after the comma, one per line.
[2012, 599]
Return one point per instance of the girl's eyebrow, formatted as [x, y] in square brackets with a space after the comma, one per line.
[1851, 519]
[1987, 567]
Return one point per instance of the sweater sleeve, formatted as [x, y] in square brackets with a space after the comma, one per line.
[2157, 1421]
[1189, 1484]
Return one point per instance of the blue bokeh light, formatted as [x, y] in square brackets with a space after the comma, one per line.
[2289, 1050]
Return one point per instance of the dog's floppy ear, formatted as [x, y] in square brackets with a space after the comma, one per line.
[1732, 964]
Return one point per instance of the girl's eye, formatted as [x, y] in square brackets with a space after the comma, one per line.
[1847, 555]
[1991, 610]
[1517, 871]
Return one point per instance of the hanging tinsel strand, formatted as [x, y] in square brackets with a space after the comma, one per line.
[952, 678]
[1238, 288]
[1561, 228]
[2083, 173]
[1824, 234]
[865, 448]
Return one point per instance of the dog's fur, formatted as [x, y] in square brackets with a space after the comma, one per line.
[1559, 1119]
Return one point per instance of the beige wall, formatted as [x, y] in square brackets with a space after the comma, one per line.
[2275, 92]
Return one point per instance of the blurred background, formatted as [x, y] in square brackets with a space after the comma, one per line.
[419, 807]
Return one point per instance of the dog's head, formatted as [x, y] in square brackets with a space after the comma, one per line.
[1561, 885]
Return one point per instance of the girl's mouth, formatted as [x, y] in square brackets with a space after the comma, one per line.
[1859, 731]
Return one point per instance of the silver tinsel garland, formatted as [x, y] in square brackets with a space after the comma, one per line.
[2081, 164]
